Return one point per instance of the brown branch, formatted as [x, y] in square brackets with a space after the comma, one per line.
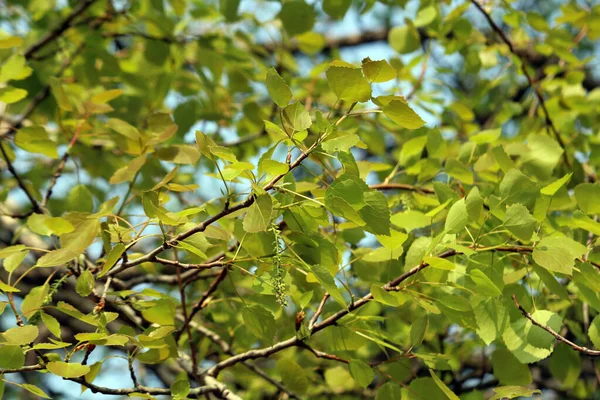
[535, 89]
[226, 348]
[315, 317]
[322, 354]
[151, 256]
[201, 303]
[332, 320]
[560, 338]
[63, 162]
[34, 203]
[51, 36]
[401, 186]
[205, 265]
[36, 367]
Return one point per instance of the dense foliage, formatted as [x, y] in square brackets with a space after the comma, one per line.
[227, 199]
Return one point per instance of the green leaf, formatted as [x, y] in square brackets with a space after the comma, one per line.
[80, 199]
[400, 112]
[418, 330]
[57, 258]
[376, 213]
[558, 253]
[297, 17]
[439, 263]
[336, 9]
[259, 322]
[15, 68]
[565, 365]
[404, 39]
[324, 277]
[19, 335]
[11, 357]
[426, 16]
[59, 226]
[492, 318]
[486, 136]
[551, 189]
[388, 391]
[10, 41]
[509, 370]
[51, 323]
[474, 203]
[310, 43]
[594, 331]
[292, 375]
[296, 117]
[459, 171]
[512, 392]
[161, 312]
[484, 284]
[348, 82]
[551, 283]
[580, 220]
[586, 195]
[411, 150]
[85, 283]
[128, 172]
[519, 222]
[179, 154]
[410, 220]
[378, 70]
[58, 91]
[34, 389]
[278, 89]
[517, 188]
[7, 288]
[180, 388]
[13, 261]
[503, 160]
[449, 394]
[106, 96]
[529, 343]
[35, 139]
[10, 95]
[258, 217]
[229, 9]
[123, 128]
[67, 370]
[361, 372]
[457, 218]
[341, 143]
[10, 250]
[112, 257]
[34, 300]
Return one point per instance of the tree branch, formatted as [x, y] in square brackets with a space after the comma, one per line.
[560, 338]
[535, 89]
[51, 36]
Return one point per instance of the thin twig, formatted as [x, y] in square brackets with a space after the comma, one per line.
[535, 89]
[59, 30]
[201, 303]
[581, 349]
[63, 161]
[317, 313]
[401, 186]
[206, 223]
[34, 203]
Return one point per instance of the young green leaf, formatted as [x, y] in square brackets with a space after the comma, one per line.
[278, 89]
